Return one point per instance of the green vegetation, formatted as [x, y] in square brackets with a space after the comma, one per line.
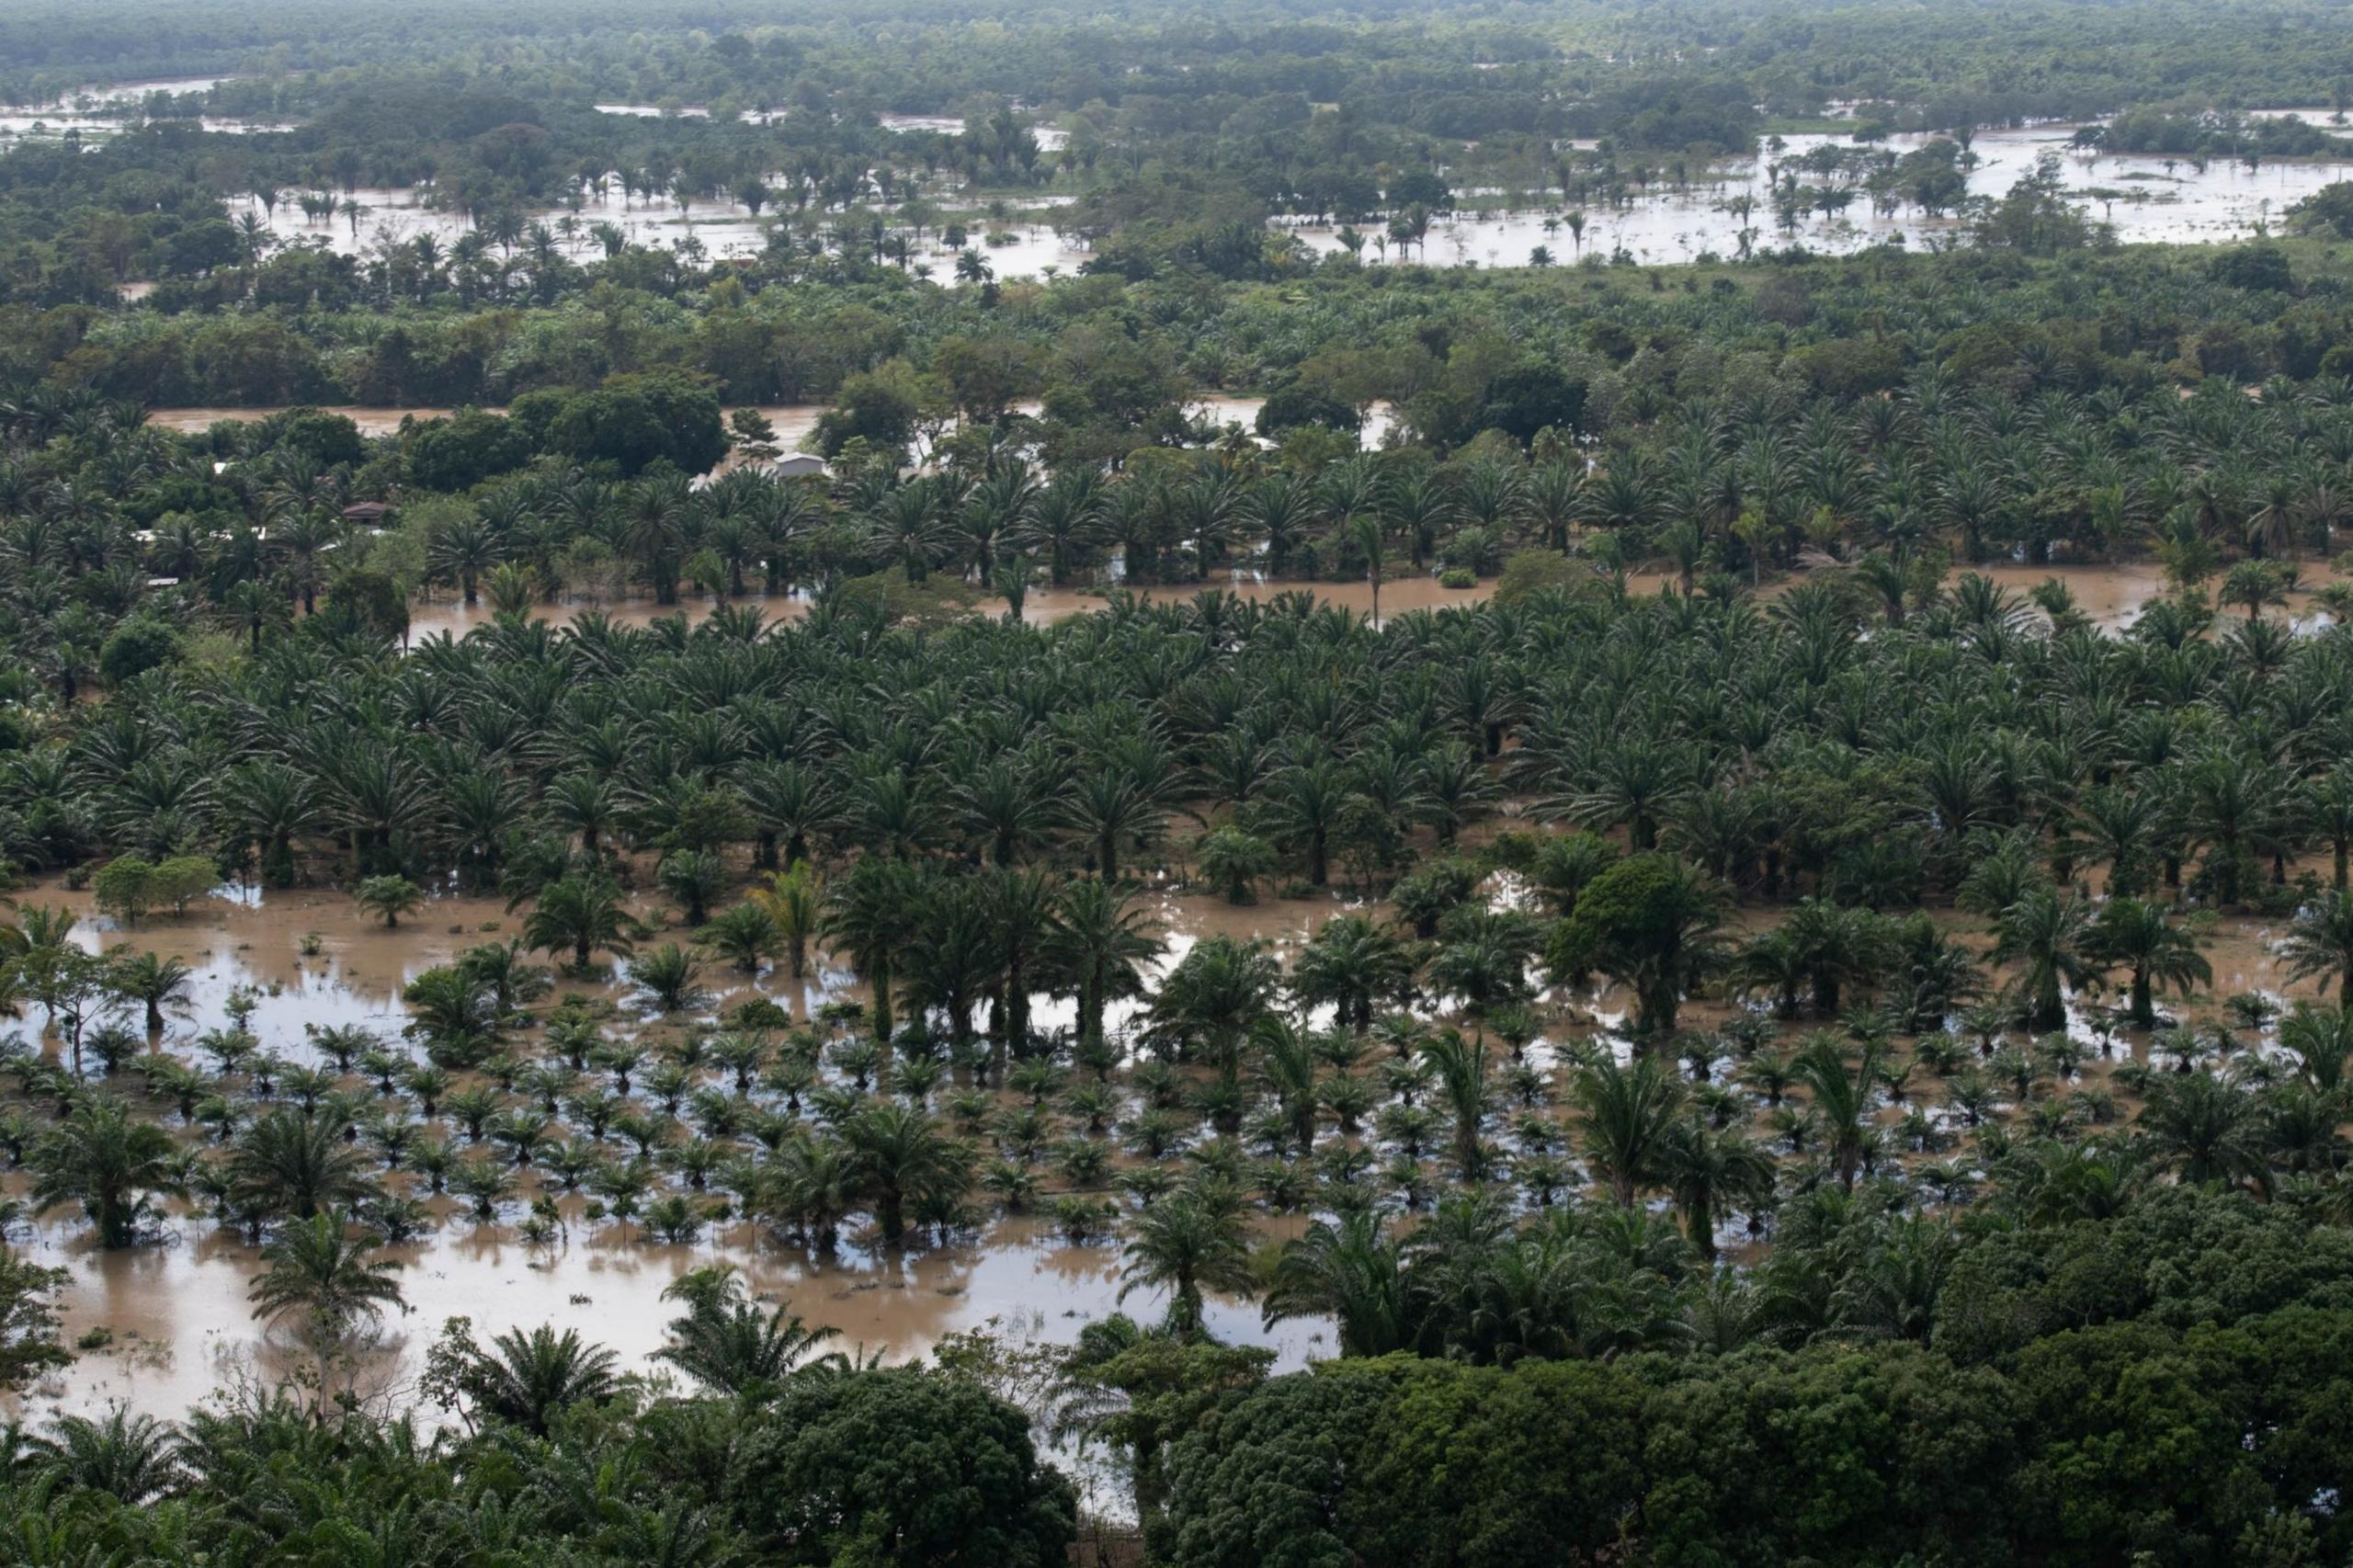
[1815, 995]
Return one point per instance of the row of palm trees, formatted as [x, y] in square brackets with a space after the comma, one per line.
[1710, 490]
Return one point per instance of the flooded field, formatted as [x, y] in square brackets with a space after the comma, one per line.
[2143, 197]
[177, 1312]
[2110, 595]
[717, 227]
[181, 1326]
[2146, 199]
[793, 421]
[174, 1317]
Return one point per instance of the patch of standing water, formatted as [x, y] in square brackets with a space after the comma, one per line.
[2156, 199]
[178, 1314]
[181, 1326]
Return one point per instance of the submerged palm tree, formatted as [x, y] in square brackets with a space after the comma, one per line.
[871, 914]
[1706, 1171]
[287, 1163]
[1188, 1244]
[582, 912]
[1352, 1272]
[2135, 935]
[109, 1162]
[1841, 1091]
[2321, 942]
[898, 1153]
[157, 984]
[794, 902]
[726, 1344]
[329, 1272]
[1097, 947]
[1630, 1116]
[2047, 938]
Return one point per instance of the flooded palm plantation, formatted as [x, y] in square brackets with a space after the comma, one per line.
[1436, 788]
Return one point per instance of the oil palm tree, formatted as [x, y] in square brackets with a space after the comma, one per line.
[2046, 936]
[1286, 1056]
[391, 897]
[525, 1378]
[159, 984]
[669, 975]
[329, 1272]
[289, 1162]
[129, 1456]
[1228, 857]
[1110, 805]
[1186, 1245]
[2320, 942]
[1350, 966]
[1840, 1091]
[1019, 910]
[109, 1161]
[898, 1153]
[2322, 1042]
[2204, 1132]
[1462, 1068]
[1708, 1170]
[871, 914]
[2133, 934]
[1304, 810]
[810, 1185]
[1212, 997]
[729, 1345]
[582, 912]
[1354, 1272]
[1629, 1118]
[744, 936]
[795, 902]
[1098, 945]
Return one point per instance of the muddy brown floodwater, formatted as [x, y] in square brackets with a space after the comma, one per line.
[177, 1312]
[181, 1327]
[175, 1315]
[246, 944]
[2110, 596]
[792, 420]
[1042, 606]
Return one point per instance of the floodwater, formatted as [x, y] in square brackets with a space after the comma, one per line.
[1042, 606]
[719, 227]
[794, 422]
[35, 124]
[2145, 199]
[2148, 199]
[77, 110]
[181, 1327]
[373, 421]
[309, 956]
[2111, 596]
[176, 1312]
